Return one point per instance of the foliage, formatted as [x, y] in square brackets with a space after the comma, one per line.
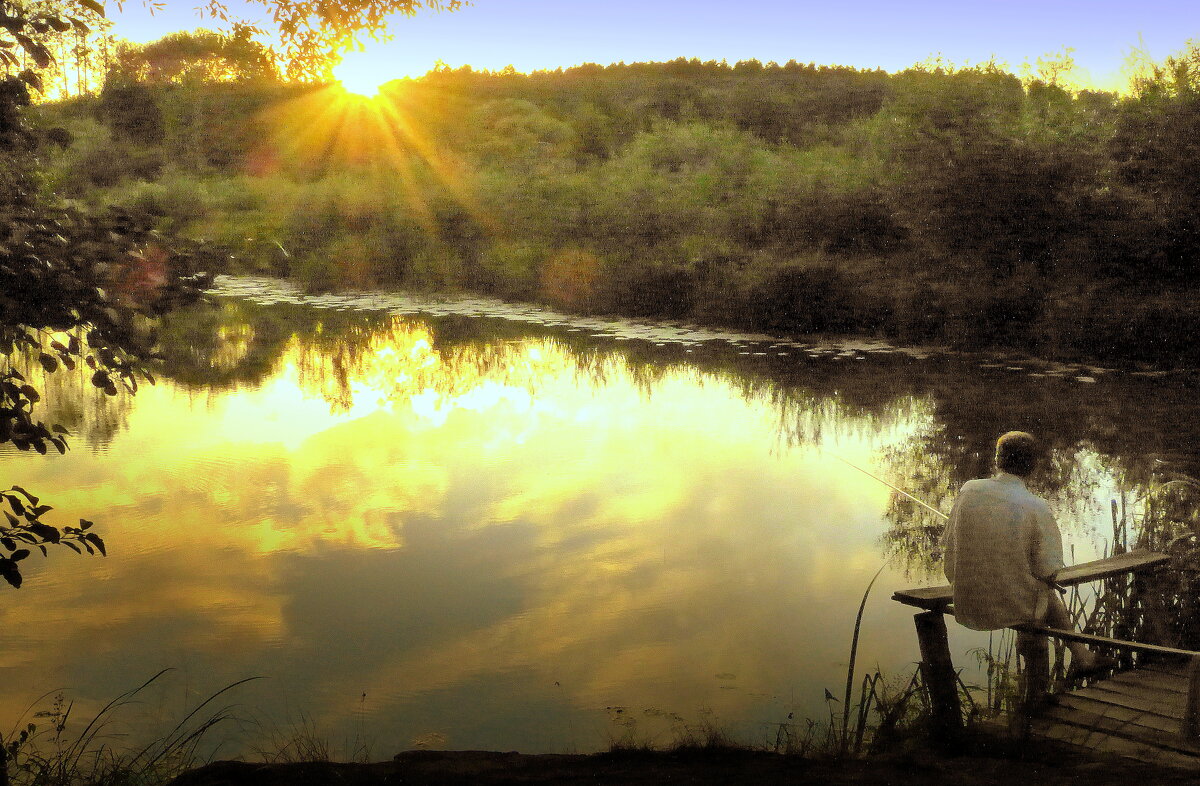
[312, 29]
[311, 32]
[24, 527]
[74, 288]
[963, 206]
[1156, 152]
[26, 33]
[194, 57]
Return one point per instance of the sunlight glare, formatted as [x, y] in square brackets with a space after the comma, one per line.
[364, 72]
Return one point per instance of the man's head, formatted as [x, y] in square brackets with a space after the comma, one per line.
[1017, 453]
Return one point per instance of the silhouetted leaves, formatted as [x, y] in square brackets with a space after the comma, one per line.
[24, 527]
[9, 571]
[73, 286]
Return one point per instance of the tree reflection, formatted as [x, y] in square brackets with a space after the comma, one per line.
[72, 401]
[223, 345]
[1089, 434]
[935, 422]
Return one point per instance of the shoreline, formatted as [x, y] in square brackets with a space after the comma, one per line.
[981, 765]
[268, 290]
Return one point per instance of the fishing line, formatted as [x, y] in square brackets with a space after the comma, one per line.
[896, 489]
[863, 604]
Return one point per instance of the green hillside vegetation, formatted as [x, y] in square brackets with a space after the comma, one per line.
[964, 206]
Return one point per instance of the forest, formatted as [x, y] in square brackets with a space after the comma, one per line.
[965, 206]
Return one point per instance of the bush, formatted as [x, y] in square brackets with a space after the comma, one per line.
[94, 160]
[511, 269]
[177, 201]
[392, 243]
[800, 295]
[569, 278]
[649, 287]
[132, 112]
[317, 272]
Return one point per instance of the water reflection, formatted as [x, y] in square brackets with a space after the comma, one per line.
[496, 532]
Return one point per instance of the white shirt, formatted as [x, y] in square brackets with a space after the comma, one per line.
[1001, 542]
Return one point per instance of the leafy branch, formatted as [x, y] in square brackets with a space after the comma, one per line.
[23, 527]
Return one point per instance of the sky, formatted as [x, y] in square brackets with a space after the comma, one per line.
[539, 34]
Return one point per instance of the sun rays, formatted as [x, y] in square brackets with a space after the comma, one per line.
[379, 143]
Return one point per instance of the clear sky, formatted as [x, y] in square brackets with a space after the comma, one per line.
[532, 34]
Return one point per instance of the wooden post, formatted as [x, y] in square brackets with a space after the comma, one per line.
[1035, 651]
[1189, 727]
[937, 670]
[1156, 617]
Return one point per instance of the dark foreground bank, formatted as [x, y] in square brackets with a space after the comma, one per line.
[1041, 765]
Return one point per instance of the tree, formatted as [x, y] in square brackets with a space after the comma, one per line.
[1156, 152]
[980, 185]
[311, 31]
[197, 56]
[74, 288]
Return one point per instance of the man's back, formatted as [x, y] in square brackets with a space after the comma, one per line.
[1001, 544]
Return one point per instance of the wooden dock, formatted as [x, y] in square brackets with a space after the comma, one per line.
[1137, 714]
[1149, 713]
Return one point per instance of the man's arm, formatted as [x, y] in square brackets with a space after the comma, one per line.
[949, 544]
[1047, 557]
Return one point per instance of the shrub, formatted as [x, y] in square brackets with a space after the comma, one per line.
[799, 295]
[511, 269]
[649, 286]
[317, 272]
[95, 160]
[177, 201]
[569, 278]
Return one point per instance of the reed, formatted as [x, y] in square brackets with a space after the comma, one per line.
[52, 755]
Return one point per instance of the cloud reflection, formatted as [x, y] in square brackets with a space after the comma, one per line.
[412, 518]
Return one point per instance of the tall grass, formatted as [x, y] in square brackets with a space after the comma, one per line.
[48, 751]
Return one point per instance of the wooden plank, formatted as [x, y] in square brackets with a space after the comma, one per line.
[1072, 702]
[1103, 743]
[1103, 641]
[1155, 713]
[1175, 683]
[1129, 562]
[1104, 724]
[1167, 701]
[1095, 740]
[937, 598]
[928, 598]
[1139, 703]
[1178, 668]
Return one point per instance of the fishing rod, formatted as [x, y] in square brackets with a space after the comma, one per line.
[896, 489]
[863, 604]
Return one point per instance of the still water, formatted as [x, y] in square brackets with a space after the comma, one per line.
[476, 528]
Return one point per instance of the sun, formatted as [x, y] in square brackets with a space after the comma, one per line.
[363, 72]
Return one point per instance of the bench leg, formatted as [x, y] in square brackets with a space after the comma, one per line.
[1035, 679]
[937, 671]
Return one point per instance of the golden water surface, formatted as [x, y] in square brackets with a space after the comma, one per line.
[423, 532]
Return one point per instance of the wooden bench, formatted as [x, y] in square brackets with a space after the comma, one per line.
[937, 668]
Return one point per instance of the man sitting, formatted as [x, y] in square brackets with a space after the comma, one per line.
[1003, 548]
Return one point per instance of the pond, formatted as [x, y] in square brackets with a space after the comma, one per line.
[463, 524]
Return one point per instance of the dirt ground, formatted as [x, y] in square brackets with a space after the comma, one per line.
[980, 767]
